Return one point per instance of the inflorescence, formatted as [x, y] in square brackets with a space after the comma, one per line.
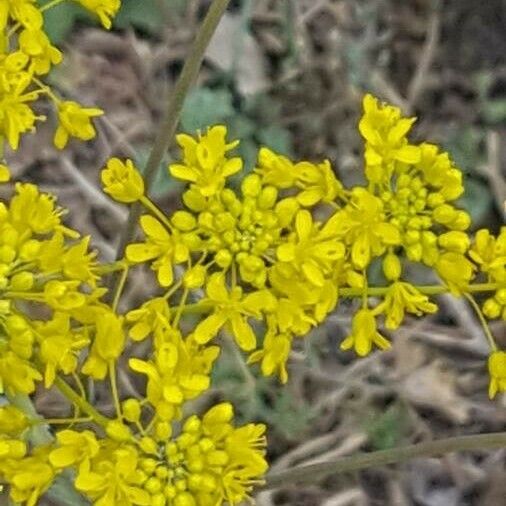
[263, 259]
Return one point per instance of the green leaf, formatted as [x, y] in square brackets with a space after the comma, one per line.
[144, 15]
[477, 200]
[58, 22]
[276, 138]
[204, 107]
[494, 110]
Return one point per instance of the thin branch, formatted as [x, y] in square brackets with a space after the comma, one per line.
[311, 473]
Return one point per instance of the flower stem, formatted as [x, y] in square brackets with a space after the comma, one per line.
[76, 399]
[170, 120]
[313, 472]
[483, 321]
[375, 291]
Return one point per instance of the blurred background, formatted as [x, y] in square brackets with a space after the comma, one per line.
[290, 74]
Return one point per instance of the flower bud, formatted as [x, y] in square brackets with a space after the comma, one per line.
[392, 267]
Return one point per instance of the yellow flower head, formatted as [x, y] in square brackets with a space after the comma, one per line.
[404, 298]
[122, 181]
[384, 131]
[497, 372]
[74, 121]
[104, 9]
[205, 164]
[364, 334]
[37, 46]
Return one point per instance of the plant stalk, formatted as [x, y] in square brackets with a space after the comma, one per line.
[313, 472]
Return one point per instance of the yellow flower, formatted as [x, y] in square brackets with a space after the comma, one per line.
[75, 261]
[59, 346]
[273, 355]
[75, 121]
[113, 479]
[276, 170]
[16, 374]
[152, 317]
[233, 308]
[385, 133]
[12, 421]
[22, 11]
[29, 477]
[161, 246]
[107, 346]
[362, 224]
[34, 212]
[311, 251]
[403, 297]
[178, 371]
[104, 9]
[16, 116]
[36, 45]
[364, 334]
[318, 183]
[122, 181]
[490, 254]
[455, 270]
[205, 164]
[497, 372]
[74, 448]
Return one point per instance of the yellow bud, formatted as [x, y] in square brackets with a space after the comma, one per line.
[170, 492]
[153, 485]
[445, 214]
[184, 221]
[149, 465]
[491, 309]
[181, 485]
[195, 277]
[457, 242]
[221, 413]
[158, 500]
[251, 185]
[163, 431]
[118, 431]
[462, 221]
[184, 499]
[23, 281]
[267, 197]
[223, 258]
[162, 472]
[148, 445]
[392, 267]
[192, 424]
[131, 410]
[194, 200]
[500, 296]
[7, 254]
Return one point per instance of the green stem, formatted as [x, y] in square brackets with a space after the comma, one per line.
[83, 405]
[170, 120]
[376, 291]
[313, 472]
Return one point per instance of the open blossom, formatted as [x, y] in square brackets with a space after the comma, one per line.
[75, 121]
[364, 334]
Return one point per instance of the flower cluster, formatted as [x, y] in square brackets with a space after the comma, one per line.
[262, 256]
[26, 56]
[262, 260]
